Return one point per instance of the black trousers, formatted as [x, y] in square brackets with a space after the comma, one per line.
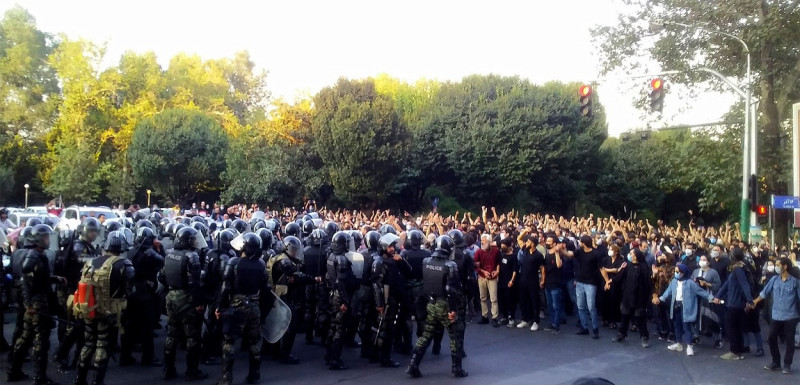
[736, 319]
[529, 303]
[786, 330]
[639, 317]
[507, 300]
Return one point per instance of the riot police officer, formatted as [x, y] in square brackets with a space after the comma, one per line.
[36, 295]
[214, 266]
[314, 260]
[441, 283]
[367, 307]
[181, 277]
[17, 257]
[112, 278]
[69, 265]
[138, 321]
[414, 255]
[338, 276]
[289, 283]
[238, 309]
[466, 275]
[389, 293]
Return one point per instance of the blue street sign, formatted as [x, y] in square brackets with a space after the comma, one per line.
[785, 202]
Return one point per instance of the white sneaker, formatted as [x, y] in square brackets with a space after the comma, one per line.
[510, 323]
[534, 327]
[522, 325]
[689, 350]
[676, 347]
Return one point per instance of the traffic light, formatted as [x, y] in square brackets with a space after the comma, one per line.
[762, 213]
[752, 192]
[657, 95]
[585, 94]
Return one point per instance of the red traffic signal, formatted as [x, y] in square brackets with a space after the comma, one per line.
[762, 210]
[657, 84]
[585, 94]
[585, 90]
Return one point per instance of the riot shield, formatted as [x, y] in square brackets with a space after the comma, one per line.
[357, 260]
[277, 321]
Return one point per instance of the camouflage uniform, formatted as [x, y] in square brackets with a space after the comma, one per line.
[436, 321]
[69, 266]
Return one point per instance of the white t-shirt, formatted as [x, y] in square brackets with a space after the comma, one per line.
[679, 294]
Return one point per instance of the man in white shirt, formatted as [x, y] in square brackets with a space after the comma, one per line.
[5, 223]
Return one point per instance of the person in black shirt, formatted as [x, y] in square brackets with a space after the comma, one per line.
[530, 266]
[552, 284]
[611, 298]
[506, 285]
[588, 264]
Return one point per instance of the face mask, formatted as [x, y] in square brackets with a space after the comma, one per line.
[771, 269]
[715, 254]
[703, 264]
[599, 242]
[712, 240]
[502, 236]
[630, 258]
[678, 275]
[594, 230]
[778, 270]
[688, 251]
[610, 253]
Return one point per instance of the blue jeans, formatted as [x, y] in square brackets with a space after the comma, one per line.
[587, 296]
[683, 330]
[555, 305]
[570, 287]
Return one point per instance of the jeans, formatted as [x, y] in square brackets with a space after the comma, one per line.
[555, 306]
[488, 293]
[570, 288]
[785, 329]
[683, 330]
[587, 296]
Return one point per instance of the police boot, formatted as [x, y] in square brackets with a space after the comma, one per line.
[413, 367]
[83, 372]
[457, 371]
[193, 372]
[169, 366]
[254, 372]
[100, 373]
[227, 372]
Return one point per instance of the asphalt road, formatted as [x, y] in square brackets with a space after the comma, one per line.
[496, 356]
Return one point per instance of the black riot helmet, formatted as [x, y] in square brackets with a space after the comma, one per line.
[126, 222]
[201, 228]
[212, 227]
[177, 227]
[116, 243]
[357, 239]
[340, 243]
[139, 215]
[65, 237]
[308, 227]
[239, 225]
[273, 226]
[33, 222]
[24, 238]
[387, 229]
[331, 228]
[186, 221]
[252, 244]
[112, 226]
[145, 223]
[458, 238]
[185, 238]
[226, 224]
[40, 236]
[222, 241]
[445, 244]
[373, 240]
[145, 236]
[294, 248]
[416, 238]
[198, 218]
[89, 229]
[258, 224]
[266, 238]
[155, 218]
[318, 237]
[292, 230]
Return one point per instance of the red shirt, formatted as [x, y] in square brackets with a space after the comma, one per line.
[486, 260]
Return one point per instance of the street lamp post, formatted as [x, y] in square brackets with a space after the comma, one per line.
[27, 186]
[749, 144]
[148, 198]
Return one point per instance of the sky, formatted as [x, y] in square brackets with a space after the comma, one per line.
[306, 45]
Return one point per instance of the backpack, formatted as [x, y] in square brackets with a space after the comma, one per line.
[279, 289]
[94, 298]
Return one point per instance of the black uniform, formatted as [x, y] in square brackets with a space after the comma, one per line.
[282, 271]
[213, 269]
[367, 311]
[99, 330]
[138, 322]
[338, 277]
[36, 324]
[415, 300]
[15, 292]
[389, 292]
[181, 277]
[244, 280]
[317, 304]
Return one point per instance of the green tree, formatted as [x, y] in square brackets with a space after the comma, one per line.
[29, 95]
[361, 140]
[770, 29]
[178, 152]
